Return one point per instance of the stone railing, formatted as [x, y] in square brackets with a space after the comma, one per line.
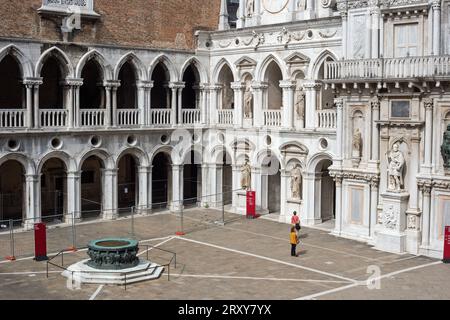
[160, 116]
[326, 119]
[92, 117]
[12, 118]
[128, 117]
[53, 118]
[191, 116]
[395, 68]
[225, 117]
[272, 118]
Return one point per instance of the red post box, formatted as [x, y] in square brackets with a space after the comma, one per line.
[251, 204]
[40, 242]
[447, 245]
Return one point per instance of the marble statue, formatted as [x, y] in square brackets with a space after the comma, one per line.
[246, 176]
[248, 101]
[250, 5]
[357, 143]
[396, 162]
[296, 176]
[445, 148]
[299, 101]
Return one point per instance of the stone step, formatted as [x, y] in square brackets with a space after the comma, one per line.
[155, 274]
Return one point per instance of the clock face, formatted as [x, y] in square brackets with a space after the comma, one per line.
[275, 6]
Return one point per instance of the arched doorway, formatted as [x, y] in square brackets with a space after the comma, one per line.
[273, 77]
[161, 181]
[190, 112]
[92, 96]
[325, 192]
[271, 184]
[127, 100]
[326, 96]
[12, 180]
[192, 179]
[53, 190]
[91, 187]
[127, 183]
[227, 95]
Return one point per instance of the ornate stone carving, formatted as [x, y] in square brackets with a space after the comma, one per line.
[396, 161]
[284, 37]
[299, 101]
[326, 3]
[412, 222]
[301, 5]
[327, 33]
[246, 176]
[390, 218]
[250, 7]
[296, 176]
[248, 101]
[356, 147]
[445, 149]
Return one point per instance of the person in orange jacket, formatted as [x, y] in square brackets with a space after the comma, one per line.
[294, 242]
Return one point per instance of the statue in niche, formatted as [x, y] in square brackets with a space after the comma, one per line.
[227, 98]
[248, 101]
[445, 149]
[250, 6]
[296, 176]
[357, 144]
[299, 101]
[246, 176]
[396, 162]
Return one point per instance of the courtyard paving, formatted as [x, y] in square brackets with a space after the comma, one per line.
[245, 259]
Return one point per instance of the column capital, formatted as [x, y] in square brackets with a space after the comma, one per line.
[428, 103]
[32, 177]
[72, 82]
[112, 83]
[375, 103]
[110, 172]
[145, 84]
[436, 4]
[259, 85]
[177, 85]
[33, 81]
[145, 169]
[288, 84]
[339, 102]
[425, 186]
[74, 174]
[312, 85]
[238, 85]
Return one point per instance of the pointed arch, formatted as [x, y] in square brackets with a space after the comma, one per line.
[313, 72]
[105, 66]
[219, 67]
[262, 67]
[26, 67]
[165, 60]
[141, 73]
[198, 66]
[64, 62]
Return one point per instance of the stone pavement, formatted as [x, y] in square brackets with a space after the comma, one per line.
[245, 259]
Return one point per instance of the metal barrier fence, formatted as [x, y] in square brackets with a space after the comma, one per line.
[71, 231]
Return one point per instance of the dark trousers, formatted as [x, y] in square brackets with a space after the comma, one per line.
[293, 250]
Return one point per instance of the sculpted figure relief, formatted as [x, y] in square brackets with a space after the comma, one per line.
[299, 101]
[246, 176]
[296, 176]
[301, 4]
[357, 143]
[396, 162]
[248, 101]
[445, 148]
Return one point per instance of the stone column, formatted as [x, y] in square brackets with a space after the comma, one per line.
[344, 16]
[181, 86]
[213, 104]
[311, 104]
[374, 187]
[309, 12]
[375, 19]
[110, 200]
[208, 185]
[114, 106]
[258, 104]
[288, 104]
[339, 131]
[259, 178]
[73, 196]
[428, 103]
[284, 193]
[72, 104]
[223, 18]
[426, 213]
[238, 88]
[339, 214]
[29, 85]
[143, 203]
[203, 103]
[436, 5]
[177, 188]
[309, 198]
[143, 103]
[108, 106]
[375, 152]
[32, 201]
[236, 185]
[174, 89]
[37, 83]
[240, 23]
